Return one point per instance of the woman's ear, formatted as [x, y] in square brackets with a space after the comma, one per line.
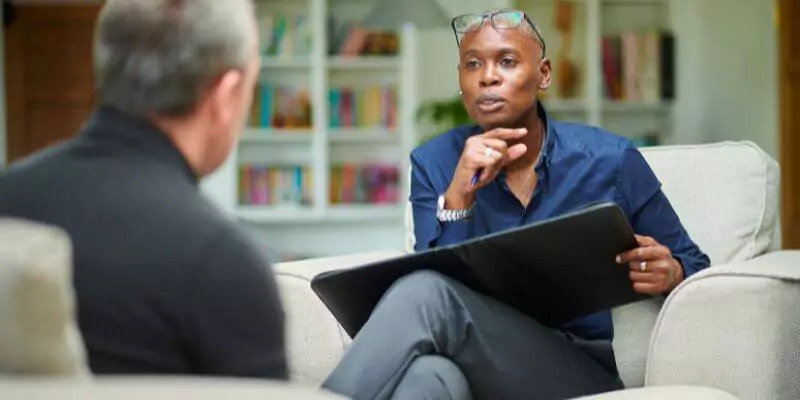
[545, 70]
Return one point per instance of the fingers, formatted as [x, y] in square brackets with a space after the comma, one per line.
[489, 153]
[644, 253]
[646, 241]
[498, 147]
[505, 133]
[657, 278]
[645, 277]
[516, 151]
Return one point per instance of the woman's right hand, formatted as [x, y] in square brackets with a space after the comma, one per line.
[461, 193]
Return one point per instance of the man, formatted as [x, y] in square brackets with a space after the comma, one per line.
[164, 282]
[431, 337]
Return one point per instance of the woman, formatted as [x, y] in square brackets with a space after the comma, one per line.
[431, 337]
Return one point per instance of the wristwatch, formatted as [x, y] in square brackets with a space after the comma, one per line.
[452, 215]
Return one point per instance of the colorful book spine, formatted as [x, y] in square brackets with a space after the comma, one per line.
[277, 106]
[638, 66]
[363, 107]
[352, 183]
[275, 185]
[285, 35]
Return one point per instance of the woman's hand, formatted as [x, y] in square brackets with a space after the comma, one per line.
[488, 153]
[653, 270]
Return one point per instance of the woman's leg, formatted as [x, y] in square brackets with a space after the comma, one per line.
[432, 378]
[502, 353]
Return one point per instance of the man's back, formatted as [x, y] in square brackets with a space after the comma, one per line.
[164, 282]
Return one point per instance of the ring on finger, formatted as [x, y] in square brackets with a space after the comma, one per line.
[643, 266]
[488, 152]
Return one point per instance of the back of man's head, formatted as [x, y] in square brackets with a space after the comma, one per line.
[158, 57]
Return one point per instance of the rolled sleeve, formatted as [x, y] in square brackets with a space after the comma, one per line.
[429, 232]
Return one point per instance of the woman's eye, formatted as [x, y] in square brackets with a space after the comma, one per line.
[508, 62]
[472, 64]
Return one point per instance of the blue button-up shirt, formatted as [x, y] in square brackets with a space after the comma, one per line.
[579, 165]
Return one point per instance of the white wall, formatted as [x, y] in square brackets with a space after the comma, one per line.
[727, 72]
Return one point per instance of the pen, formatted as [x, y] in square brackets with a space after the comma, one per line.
[476, 177]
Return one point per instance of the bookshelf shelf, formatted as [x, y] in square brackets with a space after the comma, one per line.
[363, 135]
[285, 62]
[336, 213]
[364, 212]
[281, 213]
[364, 62]
[266, 135]
[354, 106]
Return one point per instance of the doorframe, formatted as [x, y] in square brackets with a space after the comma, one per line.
[789, 69]
[3, 94]
[11, 76]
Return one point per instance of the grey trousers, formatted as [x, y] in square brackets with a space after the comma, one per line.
[433, 338]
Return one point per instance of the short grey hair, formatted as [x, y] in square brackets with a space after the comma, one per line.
[159, 56]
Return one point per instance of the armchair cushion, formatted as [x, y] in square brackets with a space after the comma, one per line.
[734, 327]
[38, 332]
[665, 393]
[157, 387]
[726, 196]
[316, 341]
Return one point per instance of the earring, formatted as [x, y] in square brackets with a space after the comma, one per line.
[460, 93]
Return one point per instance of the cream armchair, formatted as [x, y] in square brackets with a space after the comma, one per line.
[42, 356]
[732, 331]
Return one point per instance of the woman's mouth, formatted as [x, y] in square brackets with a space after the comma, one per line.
[490, 102]
[490, 105]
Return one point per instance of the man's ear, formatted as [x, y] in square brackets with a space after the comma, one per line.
[545, 70]
[224, 92]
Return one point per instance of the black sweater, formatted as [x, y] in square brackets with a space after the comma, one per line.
[165, 283]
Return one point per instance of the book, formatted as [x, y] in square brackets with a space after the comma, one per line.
[554, 271]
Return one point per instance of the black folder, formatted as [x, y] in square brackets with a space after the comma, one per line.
[555, 270]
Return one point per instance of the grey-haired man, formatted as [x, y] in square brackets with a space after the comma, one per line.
[164, 282]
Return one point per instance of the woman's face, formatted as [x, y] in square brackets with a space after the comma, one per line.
[500, 72]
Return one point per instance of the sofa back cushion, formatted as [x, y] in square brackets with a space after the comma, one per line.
[38, 329]
[726, 195]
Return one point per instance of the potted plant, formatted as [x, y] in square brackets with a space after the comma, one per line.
[442, 115]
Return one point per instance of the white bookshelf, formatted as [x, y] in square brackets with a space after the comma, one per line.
[592, 20]
[319, 146]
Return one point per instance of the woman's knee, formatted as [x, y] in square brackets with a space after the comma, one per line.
[422, 284]
[439, 375]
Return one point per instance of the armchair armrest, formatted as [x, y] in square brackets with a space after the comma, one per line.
[733, 327]
[315, 340]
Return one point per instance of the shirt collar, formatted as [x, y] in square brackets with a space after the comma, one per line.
[109, 124]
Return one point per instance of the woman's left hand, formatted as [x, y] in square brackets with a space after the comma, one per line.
[653, 270]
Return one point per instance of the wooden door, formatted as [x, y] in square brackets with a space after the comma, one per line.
[49, 74]
[789, 49]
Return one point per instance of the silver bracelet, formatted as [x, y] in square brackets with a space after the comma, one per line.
[452, 215]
